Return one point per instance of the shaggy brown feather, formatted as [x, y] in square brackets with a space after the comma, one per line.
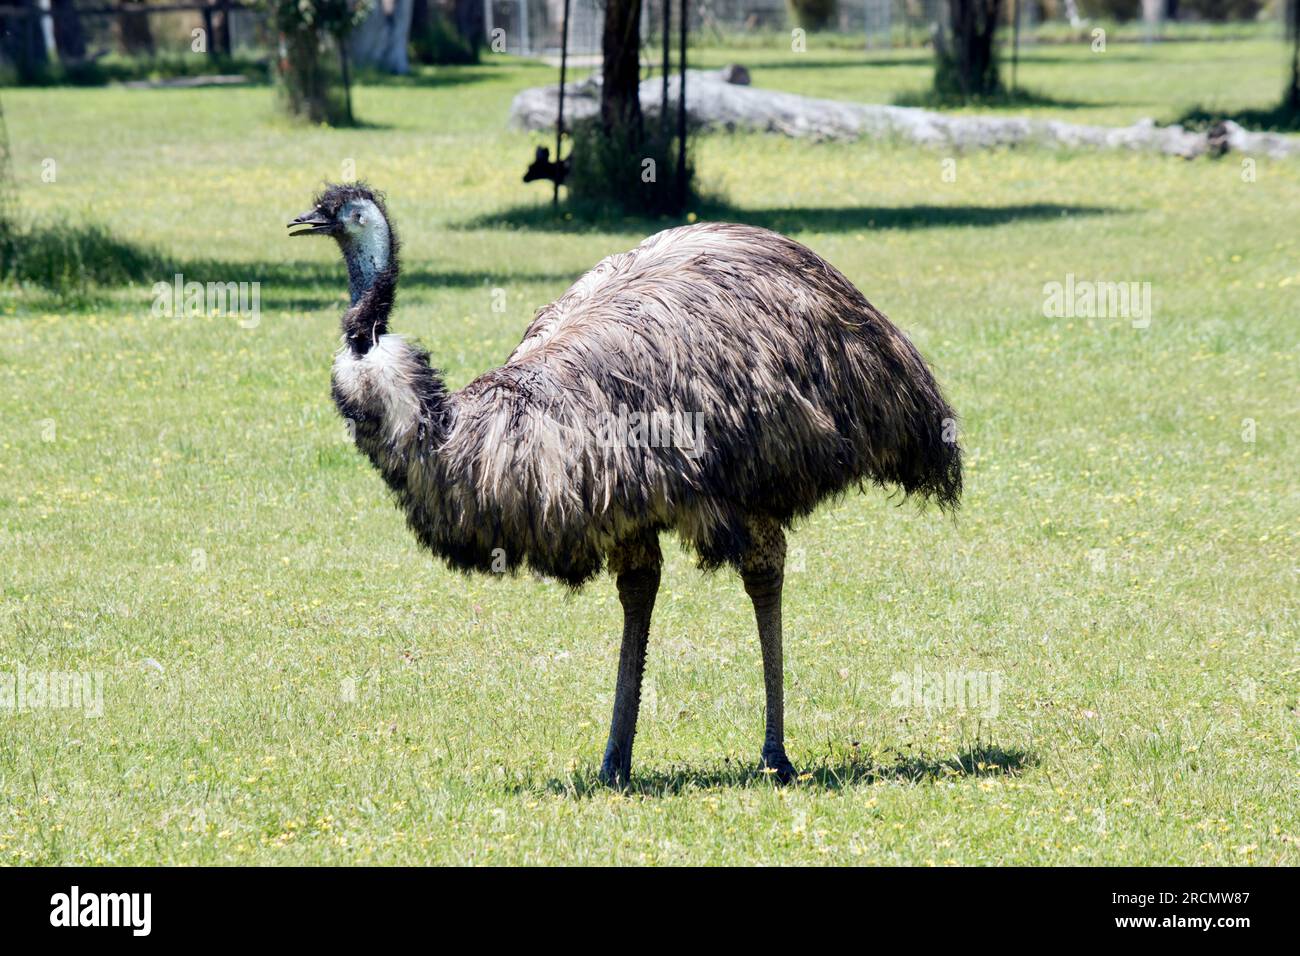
[804, 388]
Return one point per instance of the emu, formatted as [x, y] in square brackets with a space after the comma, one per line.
[805, 390]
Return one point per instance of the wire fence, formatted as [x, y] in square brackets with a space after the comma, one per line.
[43, 31]
[533, 27]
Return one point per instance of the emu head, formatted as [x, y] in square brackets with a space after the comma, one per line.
[355, 217]
[352, 213]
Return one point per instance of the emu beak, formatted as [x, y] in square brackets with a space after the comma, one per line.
[315, 221]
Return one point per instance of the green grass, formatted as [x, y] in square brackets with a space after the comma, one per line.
[1127, 82]
[180, 510]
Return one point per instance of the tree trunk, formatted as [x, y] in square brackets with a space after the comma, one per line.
[967, 59]
[620, 45]
[219, 42]
[1293, 94]
[615, 163]
[420, 17]
[9, 244]
[24, 42]
[69, 36]
[310, 77]
[133, 28]
[470, 24]
[8, 192]
[379, 41]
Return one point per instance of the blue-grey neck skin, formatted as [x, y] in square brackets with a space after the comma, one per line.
[367, 254]
[369, 248]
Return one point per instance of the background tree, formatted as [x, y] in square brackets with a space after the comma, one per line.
[133, 29]
[813, 14]
[618, 164]
[965, 55]
[219, 20]
[620, 49]
[23, 41]
[9, 245]
[313, 66]
[69, 36]
[470, 23]
[1292, 100]
[379, 41]
[447, 31]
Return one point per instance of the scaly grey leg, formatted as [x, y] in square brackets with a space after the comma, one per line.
[636, 565]
[763, 571]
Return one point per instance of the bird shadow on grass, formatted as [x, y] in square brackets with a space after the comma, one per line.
[544, 218]
[832, 774]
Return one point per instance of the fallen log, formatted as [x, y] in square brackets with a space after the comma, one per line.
[712, 103]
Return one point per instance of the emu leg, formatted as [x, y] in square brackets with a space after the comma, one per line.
[763, 571]
[637, 568]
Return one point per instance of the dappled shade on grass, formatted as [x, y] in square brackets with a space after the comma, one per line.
[792, 219]
[70, 259]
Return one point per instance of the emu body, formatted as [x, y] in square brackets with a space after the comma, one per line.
[800, 388]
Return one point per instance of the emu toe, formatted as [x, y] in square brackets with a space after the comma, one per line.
[616, 768]
[615, 775]
[777, 764]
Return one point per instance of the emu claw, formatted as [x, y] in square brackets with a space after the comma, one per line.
[615, 769]
[777, 765]
[614, 776]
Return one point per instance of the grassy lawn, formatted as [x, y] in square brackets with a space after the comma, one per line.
[1127, 82]
[287, 679]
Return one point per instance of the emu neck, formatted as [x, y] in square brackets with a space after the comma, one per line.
[367, 256]
[372, 285]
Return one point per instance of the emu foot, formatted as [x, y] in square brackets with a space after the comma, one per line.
[777, 765]
[615, 769]
[616, 778]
